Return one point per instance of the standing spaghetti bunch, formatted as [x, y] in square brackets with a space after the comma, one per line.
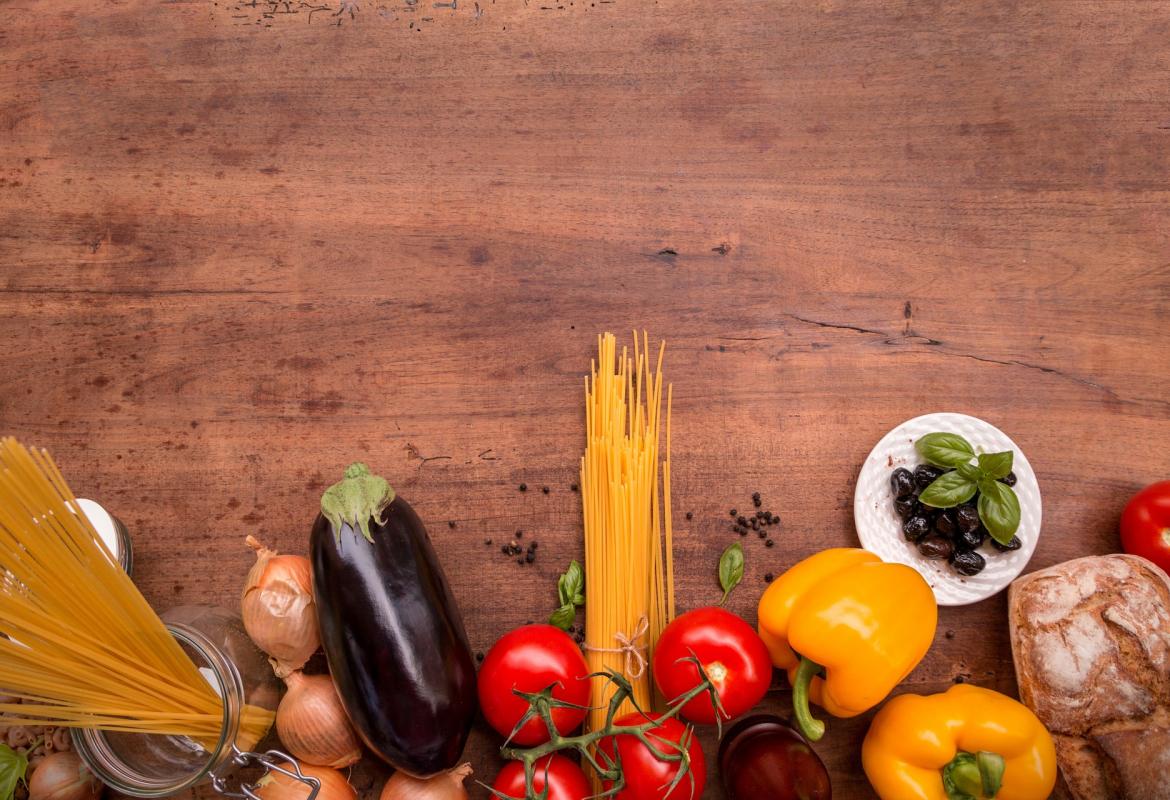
[629, 569]
[79, 644]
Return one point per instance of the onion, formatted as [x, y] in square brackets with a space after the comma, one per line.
[277, 786]
[62, 776]
[312, 724]
[444, 786]
[278, 609]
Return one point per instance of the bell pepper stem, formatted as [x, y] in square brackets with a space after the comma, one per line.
[812, 728]
[973, 775]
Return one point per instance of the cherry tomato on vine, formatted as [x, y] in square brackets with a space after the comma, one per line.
[566, 781]
[648, 778]
[732, 654]
[1145, 524]
[530, 659]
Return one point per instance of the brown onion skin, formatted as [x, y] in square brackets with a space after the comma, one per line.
[762, 758]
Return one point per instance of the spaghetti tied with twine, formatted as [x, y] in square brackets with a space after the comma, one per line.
[634, 652]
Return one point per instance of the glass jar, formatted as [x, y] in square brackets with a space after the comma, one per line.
[112, 530]
[150, 765]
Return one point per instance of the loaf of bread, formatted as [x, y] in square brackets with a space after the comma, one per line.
[1091, 643]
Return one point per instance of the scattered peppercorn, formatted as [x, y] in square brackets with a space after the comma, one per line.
[519, 534]
[756, 499]
[734, 513]
[769, 578]
[524, 487]
[573, 487]
[690, 515]
[743, 531]
[451, 524]
[769, 543]
[487, 541]
[763, 534]
[950, 634]
[960, 679]
[479, 656]
[742, 520]
[530, 557]
[520, 561]
[544, 489]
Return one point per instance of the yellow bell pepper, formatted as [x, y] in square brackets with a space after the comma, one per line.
[862, 622]
[966, 743]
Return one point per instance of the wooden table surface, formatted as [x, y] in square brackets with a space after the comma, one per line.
[243, 244]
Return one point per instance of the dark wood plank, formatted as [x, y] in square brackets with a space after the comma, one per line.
[238, 251]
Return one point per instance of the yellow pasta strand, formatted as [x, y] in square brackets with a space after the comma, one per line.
[629, 564]
[81, 647]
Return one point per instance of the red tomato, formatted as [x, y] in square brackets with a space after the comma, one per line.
[647, 778]
[531, 659]
[731, 652]
[566, 781]
[1145, 524]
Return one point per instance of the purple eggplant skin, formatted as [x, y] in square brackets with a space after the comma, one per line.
[394, 638]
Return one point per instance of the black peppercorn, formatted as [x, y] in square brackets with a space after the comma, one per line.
[690, 515]
[763, 534]
[479, 656]
[769, 543]
[742, 520]
[734, 513]
[524, 487]
[451, 524]
[530, 557]
[544, 489]
[572, 487]
[769, 577]
[487, 541]
[519, 534]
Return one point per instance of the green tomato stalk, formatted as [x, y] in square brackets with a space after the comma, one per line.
[609, 769]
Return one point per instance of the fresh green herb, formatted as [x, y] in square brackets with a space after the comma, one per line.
[730, 569]
[13, 769]
[996, 465]
[999, 507]
[570, 595]
[945, 449]
[948, 490]
[999, 510]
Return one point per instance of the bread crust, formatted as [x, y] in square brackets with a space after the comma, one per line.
[1091, 645]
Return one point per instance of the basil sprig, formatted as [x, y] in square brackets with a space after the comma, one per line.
[999, 508]
[730, 569]
[570, 594]
[13, 769]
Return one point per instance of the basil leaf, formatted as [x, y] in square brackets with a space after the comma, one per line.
[999, 510]
[730, 569]
[13, 768]
[945, 449]
[996, 465]
[563, 618]
[948, 490]
[570, 594]
[970, 472]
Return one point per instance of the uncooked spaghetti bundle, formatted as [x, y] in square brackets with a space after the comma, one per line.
[80, 646]
[629, 569]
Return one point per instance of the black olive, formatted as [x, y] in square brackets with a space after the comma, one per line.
[968, 563]
[915, 528]
[1009, 479]
[945, 524]
[902, 482]
[968, 540]
[1014, 544]
[936, 548]
[967, 518]
[906, 507]
[925, 474]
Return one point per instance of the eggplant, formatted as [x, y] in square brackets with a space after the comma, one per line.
[390, 627]
[763, 758]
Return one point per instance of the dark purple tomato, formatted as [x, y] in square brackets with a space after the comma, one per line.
[762, 757]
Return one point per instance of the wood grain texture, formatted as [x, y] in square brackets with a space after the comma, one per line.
[244, 244]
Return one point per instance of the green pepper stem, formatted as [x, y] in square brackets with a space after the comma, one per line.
[970, 775]
[812, 728]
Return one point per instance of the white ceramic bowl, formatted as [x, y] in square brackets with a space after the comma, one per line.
[880, 528]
